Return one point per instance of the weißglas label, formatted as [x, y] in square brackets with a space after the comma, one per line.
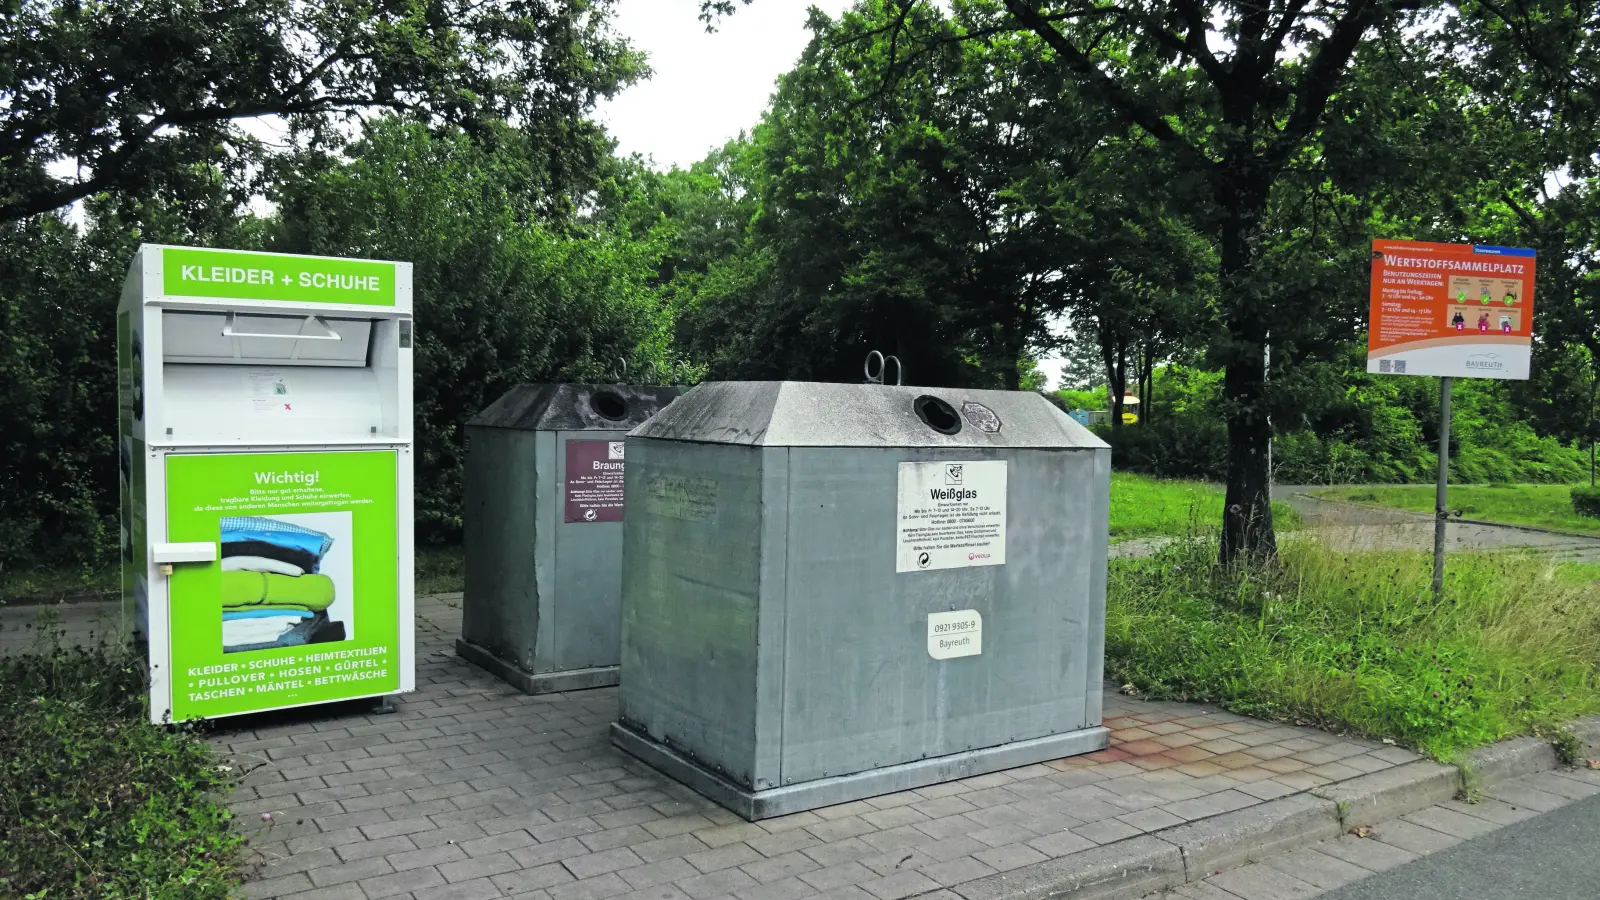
[951, 515]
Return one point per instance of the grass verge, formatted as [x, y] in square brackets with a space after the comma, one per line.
[1538, 505]
[58, 584]
[441, 569]
[1356, 642]
[1142, 506]
[94, 801]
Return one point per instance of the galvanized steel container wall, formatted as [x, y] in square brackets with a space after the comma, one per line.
[767, 636]
[542, 605]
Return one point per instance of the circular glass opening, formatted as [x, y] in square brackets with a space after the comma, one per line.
[608, 405]
[937, 414]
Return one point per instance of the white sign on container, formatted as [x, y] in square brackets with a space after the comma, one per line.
[951, 515]
[954, 634]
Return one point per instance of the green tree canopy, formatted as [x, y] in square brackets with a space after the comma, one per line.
[99, 97]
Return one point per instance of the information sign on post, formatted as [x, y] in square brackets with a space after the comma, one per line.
[1455, 311]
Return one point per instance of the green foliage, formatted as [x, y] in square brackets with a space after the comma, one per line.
[1357, 642]
[916, 217]
[129, 93]
[501, 297]
[1339, 425]
[94, 801]
[1586, 502]
[1070, 399]
[58, 297]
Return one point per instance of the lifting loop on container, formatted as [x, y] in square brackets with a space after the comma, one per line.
[878, 375]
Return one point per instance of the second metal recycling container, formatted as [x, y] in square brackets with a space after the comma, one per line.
[543, 520]
[837, 591]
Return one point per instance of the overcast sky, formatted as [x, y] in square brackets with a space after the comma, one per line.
[709, 87]
[706, 87]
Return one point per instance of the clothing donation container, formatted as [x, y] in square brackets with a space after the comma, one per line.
[543, 521]
[265, 458]
[834, 591]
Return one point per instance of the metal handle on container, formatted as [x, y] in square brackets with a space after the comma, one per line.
[882, 371]
[228, 332]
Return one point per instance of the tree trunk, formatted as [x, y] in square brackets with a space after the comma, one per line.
[1147, 378]
[1247, 531]
[1114, 354]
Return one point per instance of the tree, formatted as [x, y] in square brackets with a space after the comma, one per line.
[123, 94]
[502, 297]
[59, 286]
[1235, 93]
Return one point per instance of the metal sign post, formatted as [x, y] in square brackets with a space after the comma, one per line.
[1441, 511]
[1423, 298]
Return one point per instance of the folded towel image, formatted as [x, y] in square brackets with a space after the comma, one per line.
[315, 630]
[240, 589]
[260, 629]
[272, 531]
[300, 559]
[260, 564]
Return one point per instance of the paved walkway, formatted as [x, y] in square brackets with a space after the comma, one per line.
[1354, 526]
[1346, 862]
[27, 627]
[474, 790]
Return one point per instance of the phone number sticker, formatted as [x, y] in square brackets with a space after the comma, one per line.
[955, 634]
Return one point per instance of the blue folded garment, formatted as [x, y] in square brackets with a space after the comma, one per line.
[237, 529]
[263, 613]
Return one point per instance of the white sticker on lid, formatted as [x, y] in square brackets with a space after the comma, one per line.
[954, 634]
[951, 515]
[269, 392]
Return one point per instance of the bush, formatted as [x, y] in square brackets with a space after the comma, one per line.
[1184, 447]
[1586, 502]
[96, 802]
[1355, 641]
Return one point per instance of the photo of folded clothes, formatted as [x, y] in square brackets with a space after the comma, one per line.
[260, 564]
[300, 559]
[275, 533]
[241, 589]
[272, 594]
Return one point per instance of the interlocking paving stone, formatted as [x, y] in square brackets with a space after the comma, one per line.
[1261, 882]
[506, 794]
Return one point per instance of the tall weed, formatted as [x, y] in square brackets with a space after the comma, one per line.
[1356, 641]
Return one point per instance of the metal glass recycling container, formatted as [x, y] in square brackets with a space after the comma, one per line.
[837, 591]
[543, 517]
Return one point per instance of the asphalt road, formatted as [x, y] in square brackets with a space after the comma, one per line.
[1549, 857]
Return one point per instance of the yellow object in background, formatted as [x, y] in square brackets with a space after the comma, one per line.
[1129, 418]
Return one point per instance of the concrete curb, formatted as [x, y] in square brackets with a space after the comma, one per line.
[1391, 793]
[1587, 731]
[1253, 833]
[1121, 870]
[1194, 851]
[1506, 760]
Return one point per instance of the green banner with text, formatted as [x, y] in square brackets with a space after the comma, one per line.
[300, 605]
[243, 275]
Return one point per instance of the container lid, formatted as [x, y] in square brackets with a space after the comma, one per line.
[812, 414]
[575, 407]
